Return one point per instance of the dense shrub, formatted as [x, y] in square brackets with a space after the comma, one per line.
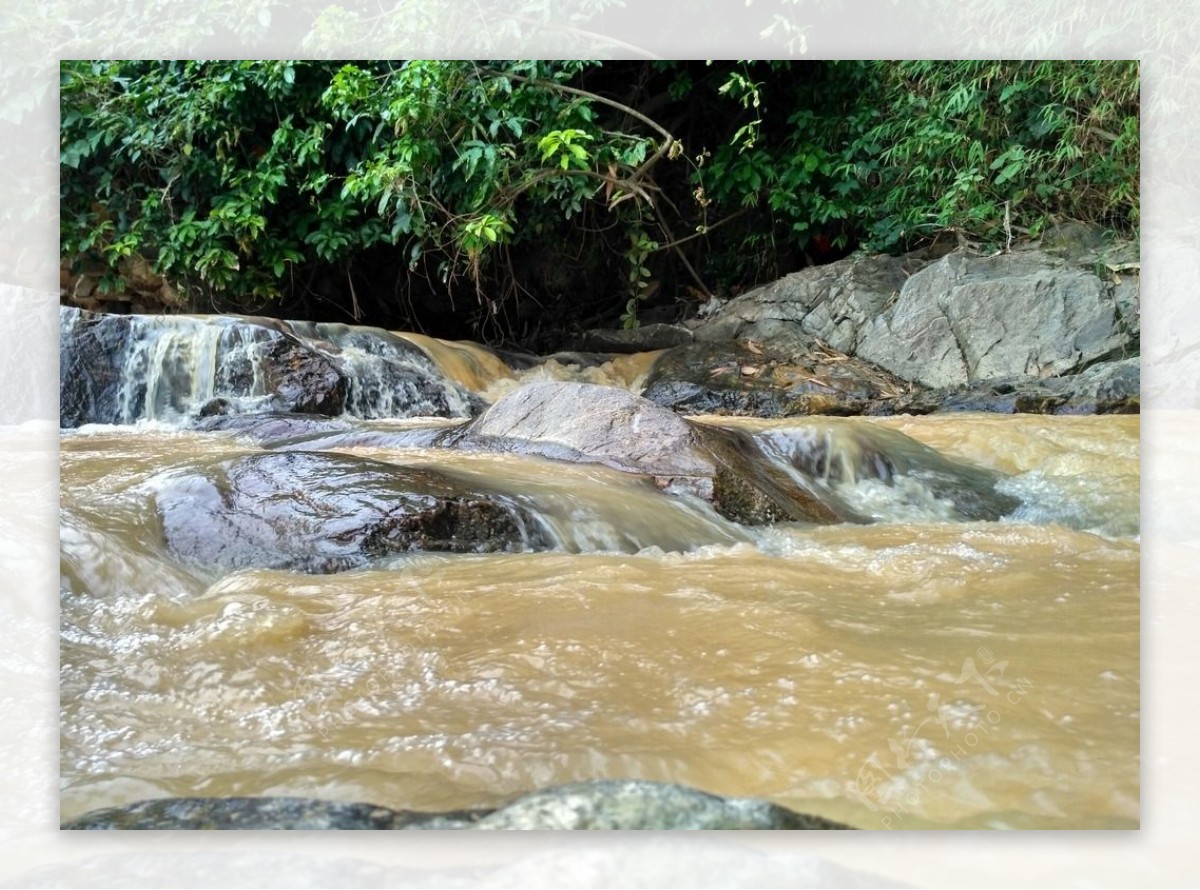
[512, 191]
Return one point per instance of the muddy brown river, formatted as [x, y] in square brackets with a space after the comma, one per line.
[915, 672]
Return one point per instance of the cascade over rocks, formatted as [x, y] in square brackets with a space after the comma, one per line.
[388, 375]
[586, 423]
[124, 368]
[604, 804]
[327, 513]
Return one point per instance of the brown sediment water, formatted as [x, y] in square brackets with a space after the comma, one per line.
[914, 672]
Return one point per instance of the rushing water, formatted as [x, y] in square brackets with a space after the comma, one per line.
[910, 673]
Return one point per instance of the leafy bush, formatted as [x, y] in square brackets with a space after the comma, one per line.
[885, 155]
[254, 185]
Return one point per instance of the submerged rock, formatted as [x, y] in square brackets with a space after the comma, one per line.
[325, 513]
[268, 427]
[602, 805]
[839, 462]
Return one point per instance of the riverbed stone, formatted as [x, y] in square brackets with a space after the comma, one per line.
[600, 805]
[1104, 388]
[321, 513]
[92, 347]
[591, 423]
[644, 338]
[795, 374]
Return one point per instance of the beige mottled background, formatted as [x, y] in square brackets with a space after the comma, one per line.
[35, 35]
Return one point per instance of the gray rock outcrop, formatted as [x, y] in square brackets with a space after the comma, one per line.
[601, 805]
[954, 321]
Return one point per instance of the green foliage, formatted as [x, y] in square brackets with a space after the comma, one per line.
[245, 182]
[232, 176]
[884, 155]
[641, 247]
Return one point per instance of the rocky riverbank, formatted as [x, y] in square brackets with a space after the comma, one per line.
[1053, 328]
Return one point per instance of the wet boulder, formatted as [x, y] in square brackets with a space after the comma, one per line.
[302, 379]
[600, 805]
[778, 377]
[644, 338]
[91, 384]
[583, 422]
[319, 512]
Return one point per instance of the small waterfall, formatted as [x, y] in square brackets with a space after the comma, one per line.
[174, 368]
[119, 369]
[388, 375]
